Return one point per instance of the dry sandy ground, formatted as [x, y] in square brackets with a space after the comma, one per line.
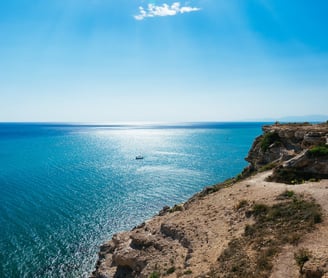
[210, 222]
[214, 216]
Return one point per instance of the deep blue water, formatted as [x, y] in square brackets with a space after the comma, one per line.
[65, 189]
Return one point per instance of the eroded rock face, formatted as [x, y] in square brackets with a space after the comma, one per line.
[286, 148]
[133, 254]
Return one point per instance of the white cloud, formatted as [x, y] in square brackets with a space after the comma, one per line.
[164, 10]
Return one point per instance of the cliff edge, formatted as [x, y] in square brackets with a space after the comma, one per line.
[297, 152]
[248, 226]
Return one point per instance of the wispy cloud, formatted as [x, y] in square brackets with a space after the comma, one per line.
[164, 10]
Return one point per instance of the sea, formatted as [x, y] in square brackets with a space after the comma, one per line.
[67, 188]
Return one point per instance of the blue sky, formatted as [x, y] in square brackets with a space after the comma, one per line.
[139, 60]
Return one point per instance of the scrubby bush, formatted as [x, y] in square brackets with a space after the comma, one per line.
[274, 226]
[176, 208]
[318, 151]
[301, 257]
[260, 209]
[268, 166]
[241, 204]
[268, 139]
[155, 274]
[286, 194]
[170, 270]
[292, 176]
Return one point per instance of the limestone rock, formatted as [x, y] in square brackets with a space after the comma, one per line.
[286, 145]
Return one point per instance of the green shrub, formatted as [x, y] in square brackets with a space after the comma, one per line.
[155, 274]
[170, 270]
[268, 139]
[287, 194]
[291, 176]
[301, 257]
[318, 151]
[176, 208]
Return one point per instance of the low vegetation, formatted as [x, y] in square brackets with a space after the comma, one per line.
[292, 176]
[241, 204]
[268, 139]
[155, 274]
[176, 208]
[285, 222]
[188, 272]
[301, 257]
[268, 166]
[217, 187]
[170, 270]
[318, 151]
[286, 195]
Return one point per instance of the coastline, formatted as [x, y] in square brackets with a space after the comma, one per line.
[101, 187]
[189, 239]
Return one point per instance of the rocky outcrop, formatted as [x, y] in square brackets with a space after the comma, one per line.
[143, 250]
[293, 150]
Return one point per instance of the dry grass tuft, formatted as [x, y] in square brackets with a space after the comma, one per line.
[282, 223]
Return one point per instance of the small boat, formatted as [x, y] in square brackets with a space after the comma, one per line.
[139, 157]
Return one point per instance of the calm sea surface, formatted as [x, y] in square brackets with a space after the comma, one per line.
[65, 189]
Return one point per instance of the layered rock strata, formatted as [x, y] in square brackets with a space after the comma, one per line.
[296, 151]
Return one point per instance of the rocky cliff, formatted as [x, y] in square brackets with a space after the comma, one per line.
[245, 227]
[297, 152]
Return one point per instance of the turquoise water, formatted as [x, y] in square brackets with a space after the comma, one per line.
[64, 189]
